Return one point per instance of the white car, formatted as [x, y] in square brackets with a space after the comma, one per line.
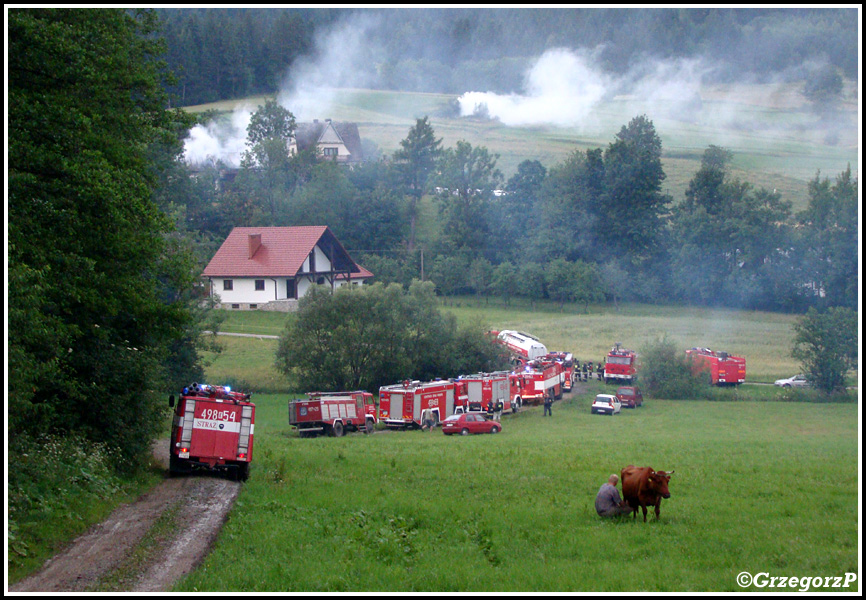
[795, 381]
[606, 404]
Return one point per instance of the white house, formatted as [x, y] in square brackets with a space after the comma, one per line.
[270, 268]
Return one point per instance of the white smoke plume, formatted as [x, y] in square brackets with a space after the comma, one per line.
[562, 87]
[565, 87]
[222, 141]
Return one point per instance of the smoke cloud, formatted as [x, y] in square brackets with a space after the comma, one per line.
[562, 87]
[219, 142]
[565, 87]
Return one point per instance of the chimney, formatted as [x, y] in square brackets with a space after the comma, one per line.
[255, 242]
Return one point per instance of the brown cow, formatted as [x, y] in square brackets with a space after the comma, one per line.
[643, 486]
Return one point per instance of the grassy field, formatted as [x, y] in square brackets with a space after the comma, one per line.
[763, 338]
[777, 142]
[758, 487]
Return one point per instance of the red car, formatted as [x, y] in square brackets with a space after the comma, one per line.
[630, 396]
[469, 423]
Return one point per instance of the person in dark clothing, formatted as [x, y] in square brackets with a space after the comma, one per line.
[548, 405]
[607, 501]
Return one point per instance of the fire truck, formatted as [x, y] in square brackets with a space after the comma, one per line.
[484, 388]
[212, 429]
[333, 413]
[619, 365]
[567, 361]
[535, 380]
[521, 345]
[401, 405]
[722, 368]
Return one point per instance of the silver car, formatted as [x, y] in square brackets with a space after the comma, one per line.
[795, 381]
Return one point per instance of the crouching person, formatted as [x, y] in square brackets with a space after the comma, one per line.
[608, 503]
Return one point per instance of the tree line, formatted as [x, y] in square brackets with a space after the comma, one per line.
[595, 227]
[219, 54]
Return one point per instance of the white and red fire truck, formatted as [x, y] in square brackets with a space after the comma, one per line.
[482, 389]
[521, 345]
[401, 405]
[620, 365]
[566, 359]
[333, 413]
[212, 429]
[536, 380]
[722, 368]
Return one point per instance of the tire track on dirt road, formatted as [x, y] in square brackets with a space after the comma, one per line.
[197, 507]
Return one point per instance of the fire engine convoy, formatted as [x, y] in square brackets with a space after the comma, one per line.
[619, 365]
[723, 368]
[333, 413]
[212, 429]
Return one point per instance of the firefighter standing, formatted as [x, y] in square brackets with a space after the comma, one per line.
[498, 414]
[491, 409]
[599, 371]
[548, 404]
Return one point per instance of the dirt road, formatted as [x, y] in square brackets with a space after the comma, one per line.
[145, 546]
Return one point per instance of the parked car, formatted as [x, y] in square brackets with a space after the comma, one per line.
[470, 422]
[795, 381]
[606, 404]
[629, 396]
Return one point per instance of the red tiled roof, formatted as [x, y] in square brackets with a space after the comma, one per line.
[281, 254]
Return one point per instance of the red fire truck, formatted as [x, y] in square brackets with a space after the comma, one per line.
[484, 388]
[619, 365]
[722, 368]
[212, 429]
[535, 380]
[567, 361]
[521, 345]
[401, 405]
[333, 413]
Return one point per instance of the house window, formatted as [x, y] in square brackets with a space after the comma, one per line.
[236, 305]
[254, 306]
[330, 151]
[228, 284]
[260, 285]
[313, 261]
[291, 290]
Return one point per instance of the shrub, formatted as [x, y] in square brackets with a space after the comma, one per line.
[666, 373]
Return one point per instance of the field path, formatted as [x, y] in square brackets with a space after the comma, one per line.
[115, 555]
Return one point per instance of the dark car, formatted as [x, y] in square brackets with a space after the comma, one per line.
[470, 423]
[630, 396]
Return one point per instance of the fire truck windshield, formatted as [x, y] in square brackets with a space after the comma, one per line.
[619, 360]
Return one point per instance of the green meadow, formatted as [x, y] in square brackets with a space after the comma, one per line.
[764, 338]
[760, 485]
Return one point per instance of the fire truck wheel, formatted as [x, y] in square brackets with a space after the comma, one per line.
[368, 426]
[464, 431]
[337, 429]
[243, 472]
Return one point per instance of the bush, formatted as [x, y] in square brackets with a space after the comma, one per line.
[666, 373]
[53, 481]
